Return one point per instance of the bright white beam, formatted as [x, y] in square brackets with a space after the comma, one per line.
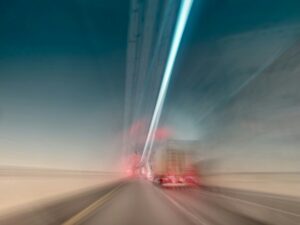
[184, 11]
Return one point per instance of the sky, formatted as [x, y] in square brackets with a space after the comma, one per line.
[233, 89]
[63, 73]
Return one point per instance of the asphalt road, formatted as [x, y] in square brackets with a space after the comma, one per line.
[139, 202]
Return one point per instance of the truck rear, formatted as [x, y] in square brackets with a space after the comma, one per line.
[173, 167]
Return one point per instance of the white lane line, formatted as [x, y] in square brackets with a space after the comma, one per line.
[76, 219]
[254, 204]
[193, 217]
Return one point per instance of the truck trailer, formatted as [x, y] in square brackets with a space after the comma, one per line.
[174, 166]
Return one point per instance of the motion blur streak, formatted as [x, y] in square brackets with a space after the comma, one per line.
[260, 70]
[180, 25]
[204, 95]
[85, 213]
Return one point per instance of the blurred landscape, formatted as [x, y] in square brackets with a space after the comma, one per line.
[145, 112]
[25, 187]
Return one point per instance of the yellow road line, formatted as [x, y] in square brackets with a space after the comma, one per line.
[91, 208]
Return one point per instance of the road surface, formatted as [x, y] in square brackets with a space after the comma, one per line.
[138, 202]
[142, 203]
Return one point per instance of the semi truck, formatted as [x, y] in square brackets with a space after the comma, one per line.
[173, 165]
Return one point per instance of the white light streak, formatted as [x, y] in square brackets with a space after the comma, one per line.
[184, 11]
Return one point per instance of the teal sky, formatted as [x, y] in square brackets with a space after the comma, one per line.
[62, 75]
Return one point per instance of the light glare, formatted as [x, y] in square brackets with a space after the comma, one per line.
[185, 8]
